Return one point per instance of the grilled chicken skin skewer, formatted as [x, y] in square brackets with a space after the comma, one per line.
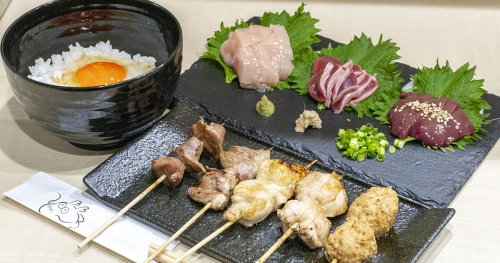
[326, 189]
[254, 200]
[281, 173]
[313, 226]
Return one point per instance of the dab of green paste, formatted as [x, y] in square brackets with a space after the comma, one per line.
[264, 107]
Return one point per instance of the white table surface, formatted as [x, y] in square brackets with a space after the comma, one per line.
[458, 31]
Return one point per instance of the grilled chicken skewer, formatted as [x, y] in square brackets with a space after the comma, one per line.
[305, 219]
[318, 196]
[168, 170]
[326, 189]
[253, 201]
[215, 186]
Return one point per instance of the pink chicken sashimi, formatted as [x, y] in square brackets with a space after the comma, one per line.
[261, 56]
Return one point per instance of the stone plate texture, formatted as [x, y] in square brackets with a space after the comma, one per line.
[430, 177]
[123, 176]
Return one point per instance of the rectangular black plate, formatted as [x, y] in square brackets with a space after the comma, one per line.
[430, 177]
[123, 176]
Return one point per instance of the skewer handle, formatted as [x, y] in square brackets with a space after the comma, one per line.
[278, 243]
[204, 241]
[334, 260]
[125, 209]
[163, 258]
[177, 234]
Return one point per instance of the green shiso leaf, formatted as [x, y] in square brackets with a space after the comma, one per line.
[300, 27]
[459, 85]
[213, 47]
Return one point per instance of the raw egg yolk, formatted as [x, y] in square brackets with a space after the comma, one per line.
[100, 73]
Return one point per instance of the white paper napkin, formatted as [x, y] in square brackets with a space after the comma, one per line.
[83, 214]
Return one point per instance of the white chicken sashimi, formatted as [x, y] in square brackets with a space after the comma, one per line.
[254, 200]
[326, 189]
[261, 56]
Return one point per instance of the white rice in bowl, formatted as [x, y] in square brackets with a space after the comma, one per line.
[61, 69]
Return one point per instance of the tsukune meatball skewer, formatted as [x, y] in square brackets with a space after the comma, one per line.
[370, 216]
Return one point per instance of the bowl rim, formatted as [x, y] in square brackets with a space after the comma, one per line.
[177, 49]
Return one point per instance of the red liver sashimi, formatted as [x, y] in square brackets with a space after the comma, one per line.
[435, 122]
[260, 55]
[339, 85]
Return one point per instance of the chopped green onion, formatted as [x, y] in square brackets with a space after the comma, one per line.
[392, 149]
[399, 143]
[366, 141]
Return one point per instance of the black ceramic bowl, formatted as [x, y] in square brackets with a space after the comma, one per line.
[101, 117]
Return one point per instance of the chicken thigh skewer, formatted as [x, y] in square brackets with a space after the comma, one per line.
[253, 201]
[318, 196]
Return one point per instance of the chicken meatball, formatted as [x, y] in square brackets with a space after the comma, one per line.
[352, 242]
[378, 207]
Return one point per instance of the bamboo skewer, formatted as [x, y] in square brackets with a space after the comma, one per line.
[165, 256]
[204, 241]
[311, 164]
[125, 209]
[278, 243]
[334, 260]
[177, 234]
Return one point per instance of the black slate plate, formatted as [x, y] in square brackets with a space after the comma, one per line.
[431, 177]
[126, 174]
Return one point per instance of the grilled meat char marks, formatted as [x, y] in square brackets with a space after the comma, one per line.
[281, 173]
[435, 122]
[340, 85]
[172, 167]
[189, 153]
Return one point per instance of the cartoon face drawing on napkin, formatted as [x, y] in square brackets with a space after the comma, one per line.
[69, 214]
